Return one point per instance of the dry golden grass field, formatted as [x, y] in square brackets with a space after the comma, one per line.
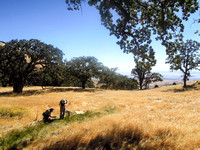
[167, 117]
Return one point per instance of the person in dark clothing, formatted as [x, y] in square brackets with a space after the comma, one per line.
[47, 115]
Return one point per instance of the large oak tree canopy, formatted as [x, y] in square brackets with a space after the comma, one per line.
[20, 58]
[134, 21]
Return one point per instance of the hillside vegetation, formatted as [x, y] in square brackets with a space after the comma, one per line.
[162, 118]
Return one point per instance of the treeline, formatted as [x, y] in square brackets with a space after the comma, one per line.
[85, 72]
[34, 63]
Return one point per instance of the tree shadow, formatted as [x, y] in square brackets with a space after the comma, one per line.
[71, 89]
[112, 140]
[25, 93]
[193, 87]
[43, 91]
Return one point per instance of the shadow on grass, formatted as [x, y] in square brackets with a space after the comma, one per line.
[114, 139]
[117, 138]
[193, 87]
[25, 93]
[43, 91]
[71, 89]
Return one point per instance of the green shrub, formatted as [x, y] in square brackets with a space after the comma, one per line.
[13, 111]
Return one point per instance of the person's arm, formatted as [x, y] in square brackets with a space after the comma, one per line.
[52, 116]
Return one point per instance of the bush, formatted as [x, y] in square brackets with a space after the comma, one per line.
[156, 86]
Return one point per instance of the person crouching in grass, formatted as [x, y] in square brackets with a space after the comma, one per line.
[47, 118]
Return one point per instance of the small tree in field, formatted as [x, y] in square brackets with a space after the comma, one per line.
[84, 68]
[152, 77]
[184, 56]
[144, 60]
[108, 77]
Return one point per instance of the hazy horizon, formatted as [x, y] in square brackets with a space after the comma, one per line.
[175, 75]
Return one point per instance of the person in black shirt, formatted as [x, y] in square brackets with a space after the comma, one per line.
[47, 115]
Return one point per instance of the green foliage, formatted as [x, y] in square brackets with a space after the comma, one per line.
[73, 4]
[125, 83]
[133, 22]
[13, 111]
[19, 138]
[109, 79]
[183, 56]
[152, 77]
[54, 75]
[84, 68]
[18, 59]
[81, 117]
[4, 68]
[144, 60]
[72, 81]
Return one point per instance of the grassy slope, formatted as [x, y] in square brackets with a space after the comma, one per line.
[166, 117]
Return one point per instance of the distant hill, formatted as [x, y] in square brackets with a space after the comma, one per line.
[2, 43]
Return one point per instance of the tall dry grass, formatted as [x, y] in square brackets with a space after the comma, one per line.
[162, 118]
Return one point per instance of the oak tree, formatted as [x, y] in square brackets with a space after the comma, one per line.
[144, 61]
[84, 68]
[152, 77]
[134, 21]
[184, 56]
[22, 57]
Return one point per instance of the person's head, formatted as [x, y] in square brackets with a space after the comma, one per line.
[51, 109]
[64, 101]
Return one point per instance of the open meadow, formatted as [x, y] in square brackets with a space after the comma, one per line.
[167, 117]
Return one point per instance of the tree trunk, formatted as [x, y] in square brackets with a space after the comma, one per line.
[83, 84]
[184, 80]
[141, 83]
[18, 86]
[140, 86]
[4, 84]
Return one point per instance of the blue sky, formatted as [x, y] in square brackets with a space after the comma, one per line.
[76, 33]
